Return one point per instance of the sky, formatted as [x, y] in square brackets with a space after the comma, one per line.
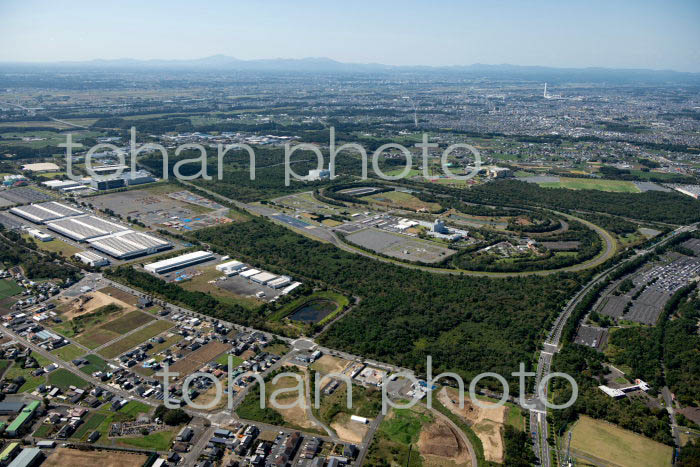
[560, 33]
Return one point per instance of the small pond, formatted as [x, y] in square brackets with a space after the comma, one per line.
[314, 311]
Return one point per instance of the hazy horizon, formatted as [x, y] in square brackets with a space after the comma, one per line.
[649, 35]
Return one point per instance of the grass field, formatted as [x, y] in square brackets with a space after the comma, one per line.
[96, 364]
[132, 340]
[64, 379]
[4, 364]
[611, 444]
[402, 200]
[87, 321]
[96, 337]
[405, 425]
[31, 382]
[134, 408]
[55, 246]
[515, 417]
[43, 431]
[129, 321]
[68, 352]
[223, 360]
[396, 438]
[8, 288]
[158, 441]
[169, 342]
[88, 427]
[593, 184]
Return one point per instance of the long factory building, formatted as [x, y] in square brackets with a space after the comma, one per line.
[83, 228]
[129, 244]
[188, 259]
[106, 236]
[45, 212]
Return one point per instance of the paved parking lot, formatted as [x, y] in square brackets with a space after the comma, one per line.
[591, 336]
[242, 286]
[9, 221]
[289, 220]
[400, 246]
[657, 284]
[24, 195]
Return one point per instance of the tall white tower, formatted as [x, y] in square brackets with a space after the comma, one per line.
[545, 91]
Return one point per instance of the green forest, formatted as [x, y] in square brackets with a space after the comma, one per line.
[467, 324]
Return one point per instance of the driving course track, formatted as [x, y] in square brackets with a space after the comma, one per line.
[327, 235]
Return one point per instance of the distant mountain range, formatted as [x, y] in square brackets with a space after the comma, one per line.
[327, 65]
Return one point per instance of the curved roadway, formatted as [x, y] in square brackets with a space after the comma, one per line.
[326, 235]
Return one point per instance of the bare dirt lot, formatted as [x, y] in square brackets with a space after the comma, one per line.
[486, 423]
[75, 458]
[440, 445]
[330, 364]
[198, 358]
[294, 416]
[77, 306]
[348, 430]
[120, 295]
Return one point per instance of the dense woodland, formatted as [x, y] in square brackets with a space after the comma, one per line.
[467, 324]
[673, 342]
[609, 223]
[589, 246]
[649, 206]
[586, 366]
[518, 448]
[15, 250]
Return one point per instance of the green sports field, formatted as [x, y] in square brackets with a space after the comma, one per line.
[598, 441]
[620, 186]
[8, 288]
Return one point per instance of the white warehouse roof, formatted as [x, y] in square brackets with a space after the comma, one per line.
[232, 265]
[44, 212]
[128, 244]
[58, 184]
[250, 273]
[85, 227]
[279, 282]
[178, 261]
[263, 277]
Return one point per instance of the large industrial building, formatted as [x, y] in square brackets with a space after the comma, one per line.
[45, 212]
[129, 244]
[125, 179]
[181, 261]
[83, 228]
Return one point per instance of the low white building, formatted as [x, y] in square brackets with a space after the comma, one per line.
[318, 174]
[181, 261]
[230, 266]
[263, 278]
[39, 235]
[250, 273]
[92, 259]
